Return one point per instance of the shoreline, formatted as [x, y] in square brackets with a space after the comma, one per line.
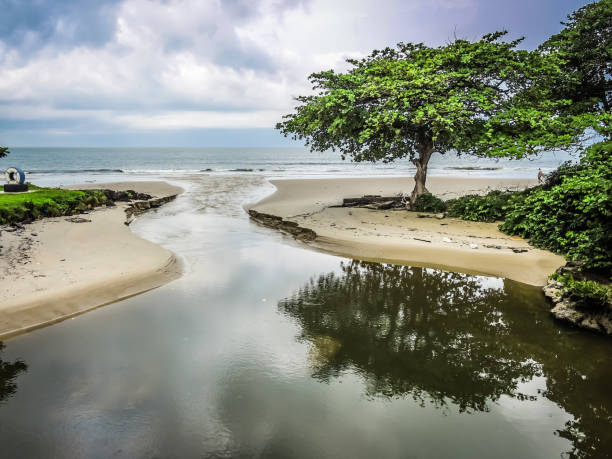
[54, 269]
[401, 237]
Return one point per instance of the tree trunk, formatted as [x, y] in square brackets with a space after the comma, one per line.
[425, 152]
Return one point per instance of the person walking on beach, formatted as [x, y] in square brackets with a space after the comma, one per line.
[540, 175]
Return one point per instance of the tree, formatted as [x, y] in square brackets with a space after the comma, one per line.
[3, 152]
[484, 98]
[586, 45]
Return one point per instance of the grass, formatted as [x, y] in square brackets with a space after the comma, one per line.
[46, 202]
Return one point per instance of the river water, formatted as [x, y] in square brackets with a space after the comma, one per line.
[265, 348]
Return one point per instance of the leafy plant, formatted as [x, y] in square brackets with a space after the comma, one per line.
[587, 294]
[573, 217]
[429, 203]
[476, 208]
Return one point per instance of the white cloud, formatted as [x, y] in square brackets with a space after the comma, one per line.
[189, 63]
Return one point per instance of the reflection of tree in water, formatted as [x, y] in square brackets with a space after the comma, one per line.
[443, 336]
[8, 373]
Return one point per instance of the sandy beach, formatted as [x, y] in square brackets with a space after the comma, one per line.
[54, 268]
[399, 236]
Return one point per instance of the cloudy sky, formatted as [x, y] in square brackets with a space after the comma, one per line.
[207, 72]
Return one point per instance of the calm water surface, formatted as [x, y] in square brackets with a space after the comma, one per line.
[267, 349]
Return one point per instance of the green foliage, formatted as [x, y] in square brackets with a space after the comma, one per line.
[429, 203]
[476, 97]
[573, 217]
[3, 152]
[587, 294]
[47, 202]
[586, 46]
[484, 98]
[476, 208]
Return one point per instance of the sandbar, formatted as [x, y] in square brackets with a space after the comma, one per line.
[54, 269]
[400, 236]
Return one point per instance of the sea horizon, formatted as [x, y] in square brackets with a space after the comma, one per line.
[72, 165]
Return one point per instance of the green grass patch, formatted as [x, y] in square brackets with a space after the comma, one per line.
[47, 202]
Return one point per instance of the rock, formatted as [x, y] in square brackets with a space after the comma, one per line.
[427, 215]
[127, 195]
[78, 220]
[553, 291]
[446, 240]
[519, 250]
[473, 246]
[565, 312]
[568, 310]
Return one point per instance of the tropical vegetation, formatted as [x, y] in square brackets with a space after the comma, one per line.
[485, 98]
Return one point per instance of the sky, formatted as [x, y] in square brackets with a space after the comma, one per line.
[208, 72]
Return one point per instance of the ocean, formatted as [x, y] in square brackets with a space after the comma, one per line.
[69, 165]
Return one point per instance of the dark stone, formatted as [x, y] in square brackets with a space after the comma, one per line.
[15, 187]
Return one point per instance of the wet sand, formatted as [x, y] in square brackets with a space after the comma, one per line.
[399, 236]
[54, 269]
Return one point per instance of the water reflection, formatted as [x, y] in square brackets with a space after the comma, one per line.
[8, 374]
[453, 340]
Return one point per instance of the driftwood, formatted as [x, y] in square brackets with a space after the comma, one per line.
[369, 199]
[273, 221]
[375, 202]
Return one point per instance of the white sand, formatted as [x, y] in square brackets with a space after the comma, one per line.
[74, 267]
[397, 236]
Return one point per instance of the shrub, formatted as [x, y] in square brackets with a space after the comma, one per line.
[587, 294]
[429, 203]
[571, 218]
[488, 208]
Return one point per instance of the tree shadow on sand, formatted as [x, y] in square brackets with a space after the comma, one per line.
[452, 339]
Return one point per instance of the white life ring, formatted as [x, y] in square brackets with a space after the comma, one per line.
[15, 176]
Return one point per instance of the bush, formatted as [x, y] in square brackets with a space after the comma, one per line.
[587, 294]
[571, 218]
[429, 203]
[556, 177]
[488, 208]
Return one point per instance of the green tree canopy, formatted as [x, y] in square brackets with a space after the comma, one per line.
[3, 152]
[586, 45]
[485, 98]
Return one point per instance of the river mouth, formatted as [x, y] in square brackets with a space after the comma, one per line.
[267, 349]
